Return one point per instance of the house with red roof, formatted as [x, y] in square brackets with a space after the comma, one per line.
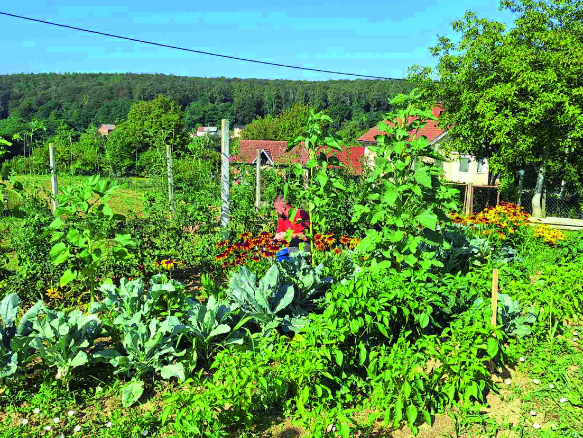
[461, 168]
[274, 153]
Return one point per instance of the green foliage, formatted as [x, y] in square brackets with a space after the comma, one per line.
[14, 352]
[62, 340]
[78, 230]
[406, 200]
[147, 346]
[526, 100]
[510, 316]
[261, 300]
[209, 323]
[286, 127]
[317, 190]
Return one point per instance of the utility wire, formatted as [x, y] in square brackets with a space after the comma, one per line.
[190, 50]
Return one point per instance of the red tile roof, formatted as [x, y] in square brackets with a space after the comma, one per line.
[431, 131]
[352, 156]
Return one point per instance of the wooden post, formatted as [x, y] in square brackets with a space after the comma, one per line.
[170, 177]
[258, 180]
[225, 175]
[54, 184]
[494, 297]
[467, 198]
[471, 199]
[494, 306]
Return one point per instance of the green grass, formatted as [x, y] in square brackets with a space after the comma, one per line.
[128, 197]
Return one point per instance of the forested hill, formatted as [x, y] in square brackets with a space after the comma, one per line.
[81, 99]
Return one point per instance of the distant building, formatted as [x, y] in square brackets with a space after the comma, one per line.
[106, 129]
[207, 130]
[462, 168]
[274, 153]
[237, 130]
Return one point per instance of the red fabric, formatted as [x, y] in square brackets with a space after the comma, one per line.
[300, 222]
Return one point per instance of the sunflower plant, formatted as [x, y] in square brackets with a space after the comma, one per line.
[405, 201]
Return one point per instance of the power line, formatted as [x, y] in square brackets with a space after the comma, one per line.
[190, 50]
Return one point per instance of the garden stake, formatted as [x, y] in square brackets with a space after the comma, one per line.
[494, 308]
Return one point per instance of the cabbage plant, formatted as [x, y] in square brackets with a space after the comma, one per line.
[14, 338]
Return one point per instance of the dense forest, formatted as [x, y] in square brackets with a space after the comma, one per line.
[66, 109]
[81, 99]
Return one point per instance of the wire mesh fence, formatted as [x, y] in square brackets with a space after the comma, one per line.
[555, 204]
[484, 197]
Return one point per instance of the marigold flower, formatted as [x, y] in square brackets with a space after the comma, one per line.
[345, 240]
[337, 251]
[318, 237]
[255, 258]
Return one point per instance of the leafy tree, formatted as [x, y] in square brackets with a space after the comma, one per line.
[514, 95]
[287, 127]
[155, 124]
[120, 153]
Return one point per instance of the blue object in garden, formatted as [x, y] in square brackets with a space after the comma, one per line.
[282, 255]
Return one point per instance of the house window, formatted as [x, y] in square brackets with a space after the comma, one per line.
[464, 164]
[481, 166]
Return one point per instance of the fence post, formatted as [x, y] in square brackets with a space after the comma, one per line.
[471, 199]
[54, 184]
[225, 175]
[170, 177]
[520, 186]
[258, 180]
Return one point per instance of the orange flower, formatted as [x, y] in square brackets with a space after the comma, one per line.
[318, 237]
[337, 251]
[245, 235]
[221, 244]
[345, 240]
[255, 258]
[221, 256]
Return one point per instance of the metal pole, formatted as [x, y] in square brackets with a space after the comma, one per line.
[225, 175]
[170, 177]
[54, 185]
[258, 180]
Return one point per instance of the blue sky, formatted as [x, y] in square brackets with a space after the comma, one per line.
[380, 38]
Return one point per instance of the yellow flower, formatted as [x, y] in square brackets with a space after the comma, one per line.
[53, 293]
[168, 264]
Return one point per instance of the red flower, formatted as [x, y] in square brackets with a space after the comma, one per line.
[345, 240]
[337, 251]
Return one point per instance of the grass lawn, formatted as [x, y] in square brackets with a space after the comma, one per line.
[127, 198]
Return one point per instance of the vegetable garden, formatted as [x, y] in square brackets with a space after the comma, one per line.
[151, 324]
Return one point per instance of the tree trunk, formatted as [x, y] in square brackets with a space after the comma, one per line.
[520, 186]
[537, 209]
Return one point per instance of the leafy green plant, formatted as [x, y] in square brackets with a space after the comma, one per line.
[146, 348]
[308, 281]
[14, 348]
[318, 190]
[510, 316]
[209, 327]
[62, 340]
[405, 198]
[78, 230]
[263, 299]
